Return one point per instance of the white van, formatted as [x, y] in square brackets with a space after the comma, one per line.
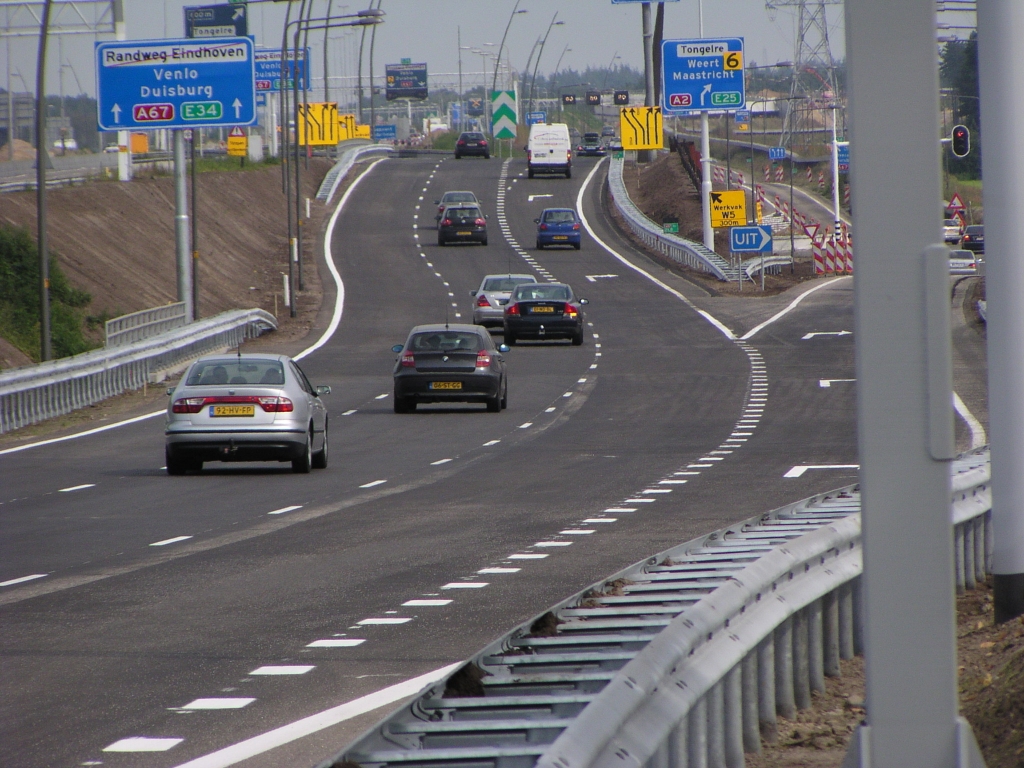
[549, 149]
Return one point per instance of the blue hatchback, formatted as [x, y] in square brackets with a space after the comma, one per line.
[558, 226]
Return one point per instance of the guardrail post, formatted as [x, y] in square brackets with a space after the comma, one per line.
[815, 647]
[801, 661]
[958, 555]
[979, 549]
[733, 701]
[716, 726]
[766, 689]
[969, 572]
[751, 733]
[678, 755]
[846, 621]
[697, 734]
[785, 704]
[857, 588]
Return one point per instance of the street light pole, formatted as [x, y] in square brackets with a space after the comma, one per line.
[501, 47]
[42, 158]
[536, 64]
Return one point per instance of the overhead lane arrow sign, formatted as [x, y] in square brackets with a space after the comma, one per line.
[116, 109]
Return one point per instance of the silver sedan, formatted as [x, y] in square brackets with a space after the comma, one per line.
[251, 407]
[492, 296]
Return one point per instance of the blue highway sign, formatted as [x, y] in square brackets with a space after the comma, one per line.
[844, 155]
[150, 84]
[776, 153]
[385, 132]
[268, 69]
[702, 75]
[536, 117]
[216, 21]
[750, 239]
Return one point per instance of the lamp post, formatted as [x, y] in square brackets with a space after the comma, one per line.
[515, 12]
[610, 65]
[536, 64]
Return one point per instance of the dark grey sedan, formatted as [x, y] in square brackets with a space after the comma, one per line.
[450, 363]
[544, 311]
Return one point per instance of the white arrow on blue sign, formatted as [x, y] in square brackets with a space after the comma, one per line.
[776, 153]
[750, 239]
[151, 84]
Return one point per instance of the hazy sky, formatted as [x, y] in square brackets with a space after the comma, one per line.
[426, 30]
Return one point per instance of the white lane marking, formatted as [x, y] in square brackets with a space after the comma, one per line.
[289, 669]
[792, 305]
[553, 544]
[527, 425]
[581, 381]
[165, 542]
[601, 520]
[491, 442]
[283, 510]
[807, 336]
[686, 473]
[225, 703]
[736, 440]
[699, 466]
[349, 412]
[826, 383]
[23, 579]
[373, 483]
[339, 302]
[465, 585]
[567, 394]
[671, 482]
[77, 488]
[576, 532]
[741, 434]
[337, 642]
[613, 510]
[381, 622]
[724, 453]
[592, 367]
[549, 410]
[656, 490]
[978, 437]
[439, 462]
[531, 198]
[87, 432]
[709, 458]
[142, 744]
[595, 278]
[427, 603]
[381, 397]
[265, 742]
[529, 556]
[642, 501]
[798, 471]
[485, 571]
[590, 230]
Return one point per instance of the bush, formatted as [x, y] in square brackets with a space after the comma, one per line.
[19, 299]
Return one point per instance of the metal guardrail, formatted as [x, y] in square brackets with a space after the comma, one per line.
[679, 660]
[771, 264]
[349, 157]
[686, 252]
[143, 324]
[39, 392]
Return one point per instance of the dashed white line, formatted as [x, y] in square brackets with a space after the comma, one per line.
[290, 669]
[549, 410]
[656, 490]
[283, 510]
[671, 482]
[349, 412]
[553, 544]
[699, 466]
[491, 442]
[165, 542]
[642, 501]
[225, 703]
[576, 532]
[686, 473]
[527, 556]
[337, 642]
[373, 483]
[526, 425]
[381, 397]
[142, 744]
[381, 622]
[613, 510]
[465, 585]
[567, 394]
[439, 461]
[77, 488]
[426, 603]
[23, 579]
[486, 571]
[592, 520]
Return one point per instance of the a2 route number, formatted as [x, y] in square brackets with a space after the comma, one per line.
[732, 61]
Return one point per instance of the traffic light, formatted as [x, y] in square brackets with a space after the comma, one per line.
[961, 140]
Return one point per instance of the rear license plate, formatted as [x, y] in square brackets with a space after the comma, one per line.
[232, 410]
[463, 233]
[537, 310]
[446, 385]
[560, 237]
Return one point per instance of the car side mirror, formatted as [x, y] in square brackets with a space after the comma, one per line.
[472, 293]
[397, 348]
[437, 202]
[584, 301]
[504, 347]
[536, 221]
[170, 391]
[323, 389]
[486, 216]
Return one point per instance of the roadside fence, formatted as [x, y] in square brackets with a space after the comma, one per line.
[143, 324]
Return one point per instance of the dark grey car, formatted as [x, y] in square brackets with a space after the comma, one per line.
[449, 363]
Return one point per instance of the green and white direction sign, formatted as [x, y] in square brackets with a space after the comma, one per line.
[504, 116]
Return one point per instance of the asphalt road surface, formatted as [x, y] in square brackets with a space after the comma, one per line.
[165, 599]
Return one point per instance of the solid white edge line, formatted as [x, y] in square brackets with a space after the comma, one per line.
[583, 218]
[793, 304]
[335, 320]
[339, 303]
[257, 745]
[978, 436]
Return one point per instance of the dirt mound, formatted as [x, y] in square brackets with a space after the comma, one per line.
[22, 151]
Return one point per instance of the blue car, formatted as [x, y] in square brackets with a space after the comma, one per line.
[558, 226]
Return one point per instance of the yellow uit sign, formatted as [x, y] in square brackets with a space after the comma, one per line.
[728, 209]
[640, 128]
[318, 124]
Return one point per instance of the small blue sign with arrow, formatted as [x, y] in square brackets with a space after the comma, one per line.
[776, 153]
[756, 239]
[532, 118]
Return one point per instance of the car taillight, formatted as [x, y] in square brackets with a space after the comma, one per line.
[483, 359]
[446, 223]
[480, 222]
[483, 143]
[543, 227]
[529, 155]
[276, 404]
[462, 143]
[575, 227]
[568, 154]
[512, 309]
[571, 310]
[408, 360]
[966, 238]
[482, 301]
[188, 405]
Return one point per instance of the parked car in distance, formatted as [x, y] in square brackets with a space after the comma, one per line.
[607, 131]
[962, 262]
[549, 150]
[591, 146]
[974, 238]
[544, 311]
[245, 407]
[461, 223]
[951, 230]
[449, 363]
[471, 144]
[558, 226]
[453, 197]
[492, 296]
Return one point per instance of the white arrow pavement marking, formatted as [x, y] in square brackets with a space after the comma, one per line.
[595, 278]
[531, 198]
[116, 109]
[238, 108]
[798, 471]
[829, 382]
[826, 333]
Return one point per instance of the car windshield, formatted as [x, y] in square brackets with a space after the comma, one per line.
[473, 136]
[560, 217]
[976, 230]
[505, 283]
[458, 197]
[463, 213]
[445, 341]
[950, 223]
[542, 292]
[236, 372]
